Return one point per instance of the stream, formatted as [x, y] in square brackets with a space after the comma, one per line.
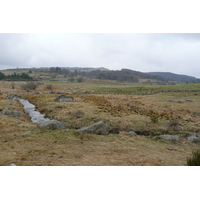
[36, 116]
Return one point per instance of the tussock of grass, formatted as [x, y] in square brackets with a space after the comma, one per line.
[195, 159]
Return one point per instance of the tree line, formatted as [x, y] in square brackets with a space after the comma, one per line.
[123, 75]
[15, 77]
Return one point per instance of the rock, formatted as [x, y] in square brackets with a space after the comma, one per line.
[169, 137]
[12, 97]
[189, 100]
[98, 128]
[132, 106]
[106, 119]
[179, 101]
[52, 125]
[12, 164]
[132, 133]
[11, 113]
[196, 113]
[193, 139]
[143, 93]
[63, 98]
[25, 133]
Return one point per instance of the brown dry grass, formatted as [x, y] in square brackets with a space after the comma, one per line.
[68, 148]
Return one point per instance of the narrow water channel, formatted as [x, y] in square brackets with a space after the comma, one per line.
[36, 116]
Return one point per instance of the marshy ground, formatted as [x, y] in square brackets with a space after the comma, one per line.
[173, 112]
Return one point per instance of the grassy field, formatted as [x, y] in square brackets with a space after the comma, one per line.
[147, 115]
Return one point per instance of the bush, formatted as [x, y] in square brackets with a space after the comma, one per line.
[29, 86]
[49, 87]
[12, 85]
[174, 124]
[79, 79]
[195, 159]
[154, 119]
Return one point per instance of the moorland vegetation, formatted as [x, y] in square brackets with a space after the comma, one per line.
[144, 107]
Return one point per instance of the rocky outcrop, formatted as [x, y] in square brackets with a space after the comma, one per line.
[98, 128]
[193, 139]
[12, 97]
[63, 98]
[52, 125]
[7, 111]
[132, 133]
[25, 133]
[168, 137]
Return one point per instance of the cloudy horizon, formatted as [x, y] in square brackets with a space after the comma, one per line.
[145, 52]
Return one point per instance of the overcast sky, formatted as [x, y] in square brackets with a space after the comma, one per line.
[147, 52]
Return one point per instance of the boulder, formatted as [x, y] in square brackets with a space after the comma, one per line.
[196, 113]
[98, 128]
[193, 139]
[179, 101]
[11, 113]
[189, 100]
[52, 125]
[63, 98]
[12, 164]
[25, 133]
[132, 133]
[12, 97]
[169, 137]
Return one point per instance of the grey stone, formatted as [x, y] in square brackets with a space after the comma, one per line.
[12, 97]
[196, 113]
[12, 164]
[132, 133]
[179, 101]
[132, 106]
[11, 113]
[63, 98]
[189, 100]
[52, 125]
[170, 137]
[25, 133]
[98, 128]
[193, 139]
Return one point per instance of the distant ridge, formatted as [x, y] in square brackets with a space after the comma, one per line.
[175, 77]
[123, 75]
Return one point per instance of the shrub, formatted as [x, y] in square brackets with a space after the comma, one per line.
[79, 79]
[78, 114]
[49, 87]
[29, 86]
[12, 85]
[71, 79]
[174, 124]
[154, 119]
[195, 159]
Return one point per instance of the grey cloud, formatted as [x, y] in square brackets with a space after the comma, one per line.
[176, 52]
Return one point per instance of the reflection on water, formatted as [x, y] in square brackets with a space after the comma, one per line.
[36, 116]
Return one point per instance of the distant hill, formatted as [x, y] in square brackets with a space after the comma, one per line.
[83, 68]
[101, 73]
[175, 77]
[121, 75]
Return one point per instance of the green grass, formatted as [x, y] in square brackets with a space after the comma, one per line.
[195, 159]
